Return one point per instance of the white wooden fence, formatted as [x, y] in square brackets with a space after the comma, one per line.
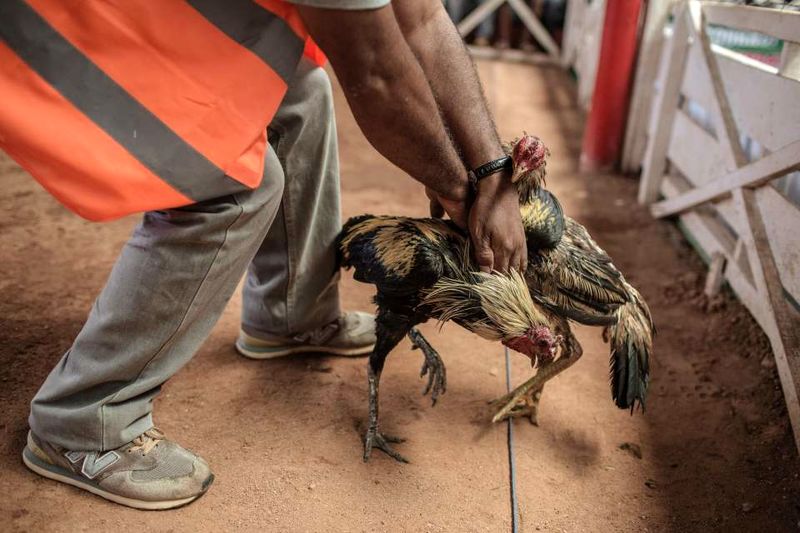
[727, 202]
[583, 33]
[532, 24]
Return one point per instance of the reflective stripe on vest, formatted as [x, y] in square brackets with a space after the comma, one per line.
[119, 106]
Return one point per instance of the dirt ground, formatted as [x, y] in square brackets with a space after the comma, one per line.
[713, 452]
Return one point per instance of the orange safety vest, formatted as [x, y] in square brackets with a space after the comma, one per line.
[122, 106]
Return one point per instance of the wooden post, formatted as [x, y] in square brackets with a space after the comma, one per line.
[602, 138]
[715, 276]
[652, 43]
[790, 60]
[666, 105]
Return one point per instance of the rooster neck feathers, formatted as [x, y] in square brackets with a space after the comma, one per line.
[496, 307]
[543, 220]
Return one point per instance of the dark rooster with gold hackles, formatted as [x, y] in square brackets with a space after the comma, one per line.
[422, 268]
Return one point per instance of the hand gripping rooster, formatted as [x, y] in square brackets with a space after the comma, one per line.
[422, 268]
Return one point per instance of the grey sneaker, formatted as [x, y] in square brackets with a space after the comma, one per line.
[351, 335]
[148, 473]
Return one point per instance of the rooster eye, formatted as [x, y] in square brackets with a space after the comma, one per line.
[543, 343]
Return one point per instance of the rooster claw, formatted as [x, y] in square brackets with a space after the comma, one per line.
[433, 366]
[519, 411]
[525, 406]
[437, 378]
[374, 439]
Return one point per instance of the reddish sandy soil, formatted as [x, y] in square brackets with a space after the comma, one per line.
[283, 437]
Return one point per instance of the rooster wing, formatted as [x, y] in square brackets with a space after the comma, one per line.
[568, 273]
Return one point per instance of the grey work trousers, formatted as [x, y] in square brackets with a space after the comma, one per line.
[180, 268]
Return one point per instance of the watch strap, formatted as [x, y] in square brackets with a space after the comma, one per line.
[487, 169]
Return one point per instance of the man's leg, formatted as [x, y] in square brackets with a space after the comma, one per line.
[291, 289]
[166, 291]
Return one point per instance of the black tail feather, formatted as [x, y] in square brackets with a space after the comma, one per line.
[631, 340]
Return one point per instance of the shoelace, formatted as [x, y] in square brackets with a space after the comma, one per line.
[147, 441]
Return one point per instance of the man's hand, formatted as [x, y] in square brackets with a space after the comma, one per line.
[496, 228]
[493, 221]
[457, 210]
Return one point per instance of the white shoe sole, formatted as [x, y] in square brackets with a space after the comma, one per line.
[38, 466]
[306, 348]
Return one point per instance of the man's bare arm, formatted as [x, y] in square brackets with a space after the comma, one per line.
[394, 103]
[390, 96]
[495, 224]
[440, 50]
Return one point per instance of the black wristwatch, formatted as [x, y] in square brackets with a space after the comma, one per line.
[487, 169]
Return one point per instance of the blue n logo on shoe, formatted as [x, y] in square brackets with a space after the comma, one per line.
[92, 463]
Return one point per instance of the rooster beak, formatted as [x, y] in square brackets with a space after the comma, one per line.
[517, 173]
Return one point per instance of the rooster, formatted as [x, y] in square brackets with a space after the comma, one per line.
[422, 269]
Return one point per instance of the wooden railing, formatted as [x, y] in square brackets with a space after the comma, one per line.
[747, 230]
[583, 32]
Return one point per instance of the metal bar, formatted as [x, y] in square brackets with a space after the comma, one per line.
[512, 468]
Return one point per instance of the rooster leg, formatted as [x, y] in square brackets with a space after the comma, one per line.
[390, 328]
[433, 366]
[374, 438]
[523, 399]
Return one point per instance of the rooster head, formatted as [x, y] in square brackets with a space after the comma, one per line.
[528, 155]
[538, 343]
[497, 307]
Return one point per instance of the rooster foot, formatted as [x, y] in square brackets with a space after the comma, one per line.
[381, 442]
[526, 405]
[433, 366]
